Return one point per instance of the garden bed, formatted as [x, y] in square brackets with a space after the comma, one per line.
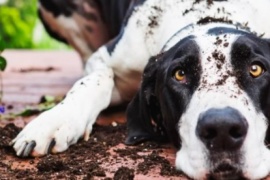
[102, 157]
[31, 75]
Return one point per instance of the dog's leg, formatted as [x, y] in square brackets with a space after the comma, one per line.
[115, 68]
[56, 129]
[78, 23]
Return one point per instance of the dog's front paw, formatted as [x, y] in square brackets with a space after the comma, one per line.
[53, 131]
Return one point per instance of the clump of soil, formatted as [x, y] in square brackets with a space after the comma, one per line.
[153, 160]
[209, 19]
[50, 164]
[7, 134]
[219, 56]
[209, 2]
[87, 160]
[124, 173]
[36, 69]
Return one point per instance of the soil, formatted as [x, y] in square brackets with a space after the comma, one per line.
[102, 157]
[209, 19]
[124, 173]
[35, 69]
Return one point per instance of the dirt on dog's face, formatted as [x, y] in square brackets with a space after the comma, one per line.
[212, 91]
[220, 82]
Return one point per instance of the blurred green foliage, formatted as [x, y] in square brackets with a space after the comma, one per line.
[3, 62]
[17, 23]
[3, 65]
[18, 26]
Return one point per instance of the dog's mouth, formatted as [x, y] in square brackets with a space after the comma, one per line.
[226, 171]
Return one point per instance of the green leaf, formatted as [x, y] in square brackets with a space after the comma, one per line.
[2, 46]
[3, 63]
[28, 112]
[48, 99]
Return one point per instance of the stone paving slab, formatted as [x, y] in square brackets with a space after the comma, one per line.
[31, 74]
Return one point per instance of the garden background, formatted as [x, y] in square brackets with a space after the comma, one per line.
[20, 27]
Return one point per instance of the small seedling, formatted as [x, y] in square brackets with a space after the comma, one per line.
[3, 62]
[3, 65]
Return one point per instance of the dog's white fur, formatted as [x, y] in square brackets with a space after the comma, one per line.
[114, 78]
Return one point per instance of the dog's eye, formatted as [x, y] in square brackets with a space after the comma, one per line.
[256, 70]
[180, 75]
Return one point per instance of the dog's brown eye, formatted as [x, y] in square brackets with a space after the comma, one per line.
[256, 70]
[180, 75]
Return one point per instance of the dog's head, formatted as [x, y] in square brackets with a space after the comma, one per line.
[209, 92]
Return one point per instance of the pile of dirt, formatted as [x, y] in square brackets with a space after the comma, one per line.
[87, 160]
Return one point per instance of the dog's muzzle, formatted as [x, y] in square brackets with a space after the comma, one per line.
[222, 130]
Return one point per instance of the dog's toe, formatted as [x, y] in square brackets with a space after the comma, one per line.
[26, 146]
[28, 149]
[20, 148]
[23, 148]
[52, 144]
[37, 144]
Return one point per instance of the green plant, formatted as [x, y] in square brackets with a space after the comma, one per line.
[17, 21]
[20, 27]
[3, 65]
[3, 62]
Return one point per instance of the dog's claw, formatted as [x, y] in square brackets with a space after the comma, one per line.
[52, 144]
[86, 135]
[21, 150]
[11, 143]
[28, 149]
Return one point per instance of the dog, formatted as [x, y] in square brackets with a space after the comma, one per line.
[196, 73]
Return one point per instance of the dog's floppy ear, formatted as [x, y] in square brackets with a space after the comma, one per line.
[268, 92]
[266, 106]
[144, 119]
[266, 110]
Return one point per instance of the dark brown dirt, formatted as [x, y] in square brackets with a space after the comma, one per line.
[124, 173]
[152, 160]
[86, 160]
[209, 19]
[36, 69]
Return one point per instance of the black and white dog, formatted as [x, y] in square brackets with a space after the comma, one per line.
[205, 68]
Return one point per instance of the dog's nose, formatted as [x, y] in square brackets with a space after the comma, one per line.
[222, 129]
